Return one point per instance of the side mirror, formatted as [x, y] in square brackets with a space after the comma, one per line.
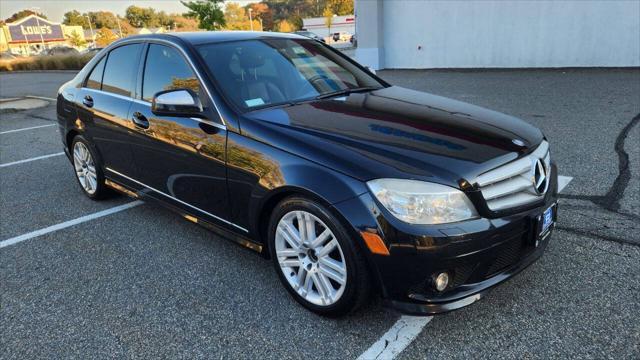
[177, 102]
[371, 70]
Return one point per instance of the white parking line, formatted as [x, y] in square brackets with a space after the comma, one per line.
[401, 334]
[66, 224]
[40, 97]
[563, 181]
[25, 129]
[30, 159]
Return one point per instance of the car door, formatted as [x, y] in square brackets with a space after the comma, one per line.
[103, 106]
[181, 158]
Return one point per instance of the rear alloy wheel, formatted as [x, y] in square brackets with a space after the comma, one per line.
[88, 169]
[85, 168]
[316, 260]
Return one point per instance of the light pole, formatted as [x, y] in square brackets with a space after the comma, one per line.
[250, 18]
[93, 37]
[35, 10]
[119, 28]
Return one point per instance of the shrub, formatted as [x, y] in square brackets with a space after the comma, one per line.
[55, 62]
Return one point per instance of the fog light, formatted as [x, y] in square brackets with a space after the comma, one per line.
[441, 281]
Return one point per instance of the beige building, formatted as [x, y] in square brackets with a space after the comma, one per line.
[33, 34]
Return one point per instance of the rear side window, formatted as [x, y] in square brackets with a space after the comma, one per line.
[121, 69]
[166, 69]
[95, 79]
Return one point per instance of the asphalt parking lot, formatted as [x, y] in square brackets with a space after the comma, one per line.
[143, 282]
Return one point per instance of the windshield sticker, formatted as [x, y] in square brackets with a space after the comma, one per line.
[254, 102]
[299, 50]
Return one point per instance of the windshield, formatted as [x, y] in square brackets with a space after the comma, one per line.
[268, 72]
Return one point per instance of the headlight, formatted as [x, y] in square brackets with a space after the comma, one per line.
[419, 202]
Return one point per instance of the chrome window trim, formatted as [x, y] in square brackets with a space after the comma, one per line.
[184, 54]
[178, 200]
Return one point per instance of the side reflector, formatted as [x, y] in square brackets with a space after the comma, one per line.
[375, 243]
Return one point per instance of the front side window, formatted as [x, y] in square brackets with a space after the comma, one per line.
[95, 79]
[261, 73]
[166, 69]
[121, 69]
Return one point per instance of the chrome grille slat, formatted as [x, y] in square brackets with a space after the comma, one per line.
[512, 185]
[506, 187]
[507, 171]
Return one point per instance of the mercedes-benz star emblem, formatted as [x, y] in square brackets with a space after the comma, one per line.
[540, 180]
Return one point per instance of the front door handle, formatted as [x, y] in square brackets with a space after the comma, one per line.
[88, 101]
[140, 120]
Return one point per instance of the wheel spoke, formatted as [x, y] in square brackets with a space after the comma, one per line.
[310, 231]
[320, 239]
[92, 182]
[334, 271]
[286, 235]
[290, 262]
[286, 253]
[307, 284]
[301, 226]
[301, 276]
[323, 287]
[328, 248]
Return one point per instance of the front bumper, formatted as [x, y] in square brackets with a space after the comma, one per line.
[478, 254]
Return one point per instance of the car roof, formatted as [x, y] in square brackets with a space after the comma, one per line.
[206, 37]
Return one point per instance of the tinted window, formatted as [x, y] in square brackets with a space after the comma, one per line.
[95, 79]
[120, 71]
[166, 69]
[261, 73]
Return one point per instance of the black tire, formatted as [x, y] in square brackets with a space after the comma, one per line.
[101, 191]
[358, 284]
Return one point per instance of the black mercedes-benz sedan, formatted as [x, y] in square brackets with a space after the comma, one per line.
[351, 186]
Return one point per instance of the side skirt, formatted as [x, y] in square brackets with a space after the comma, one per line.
[217, 229]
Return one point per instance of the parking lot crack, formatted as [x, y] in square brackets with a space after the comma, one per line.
[611, 200]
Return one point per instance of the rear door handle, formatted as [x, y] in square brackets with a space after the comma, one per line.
[140, 120]
[88, 101]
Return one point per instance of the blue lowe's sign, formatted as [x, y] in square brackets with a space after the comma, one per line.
[35, 29]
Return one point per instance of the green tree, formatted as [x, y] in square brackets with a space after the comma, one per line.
[75, 39]
[341, 7]
[328, 18]
[208, 13]
[262, 13]
[103, 19]
[285, 26]
[182, 23]
[141, 17]
[105, 37]
[75, 18]
[23, 14]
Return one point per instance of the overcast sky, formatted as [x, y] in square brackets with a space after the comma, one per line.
[56, 9]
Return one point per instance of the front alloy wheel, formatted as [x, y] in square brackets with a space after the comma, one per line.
[316, 259]
[310, 258]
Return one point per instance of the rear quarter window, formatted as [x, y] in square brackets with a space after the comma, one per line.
[94, 81]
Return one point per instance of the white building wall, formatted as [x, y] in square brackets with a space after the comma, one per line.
[505, 34]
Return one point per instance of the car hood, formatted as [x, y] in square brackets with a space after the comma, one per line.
[396, 132]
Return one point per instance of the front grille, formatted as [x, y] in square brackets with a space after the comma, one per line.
[512, 184]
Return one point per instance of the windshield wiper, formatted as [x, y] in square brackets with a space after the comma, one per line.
[346, 92]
